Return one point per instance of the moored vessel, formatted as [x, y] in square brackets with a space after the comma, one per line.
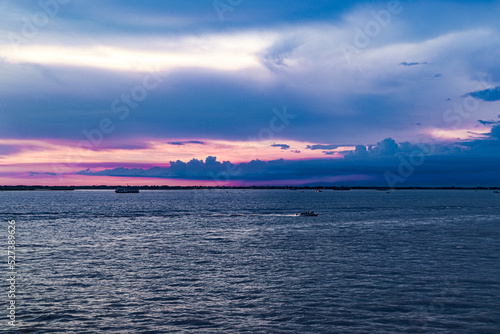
[126, 190]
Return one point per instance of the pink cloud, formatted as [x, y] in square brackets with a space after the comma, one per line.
[65, 158]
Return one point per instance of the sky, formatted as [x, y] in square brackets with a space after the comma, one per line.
[250, 92]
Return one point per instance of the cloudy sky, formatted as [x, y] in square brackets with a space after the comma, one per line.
[393, 93]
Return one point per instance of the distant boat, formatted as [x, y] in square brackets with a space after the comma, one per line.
[497, 192]
[319, 191]
[62, 188]
[126, 190]
[308, 213]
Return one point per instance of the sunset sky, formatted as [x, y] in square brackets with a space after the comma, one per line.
[244, 92]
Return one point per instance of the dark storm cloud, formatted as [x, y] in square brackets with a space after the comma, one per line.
[294, 60]
[438, 170]
[468, 163]
[300, 66]
[170, 111]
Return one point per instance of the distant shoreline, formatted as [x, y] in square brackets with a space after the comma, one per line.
[338, 188]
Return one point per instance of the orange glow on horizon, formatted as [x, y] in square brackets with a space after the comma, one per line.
[49, 157]
[160, 153]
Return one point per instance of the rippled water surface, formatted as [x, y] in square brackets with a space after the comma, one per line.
[239, 261]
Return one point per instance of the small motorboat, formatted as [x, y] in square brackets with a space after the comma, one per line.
[308, 213]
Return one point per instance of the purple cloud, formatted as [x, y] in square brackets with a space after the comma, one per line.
[283, 146]
[180, 143]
